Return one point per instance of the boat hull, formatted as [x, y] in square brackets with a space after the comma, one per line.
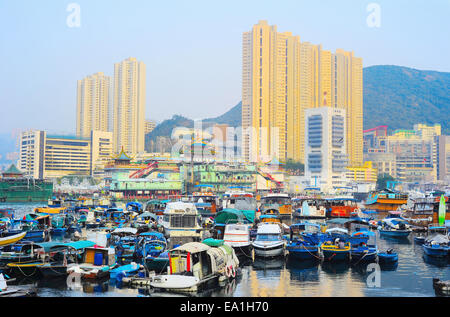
[395, 234]
[53, 271]
[440, 252]
[158, 265]
[303, 253]
[369, 256]
[384, 258]
[268, 251]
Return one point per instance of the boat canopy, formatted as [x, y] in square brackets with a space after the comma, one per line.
[303, 225]
[341, 221]
[192, 247]
[180, 206]
[148, 215]
[128, 230]
[53, 246]
[438, 238]
[134, 204]
[269, 228]
[230, 215]
[363, 232]
[153, 234]
[337, 230]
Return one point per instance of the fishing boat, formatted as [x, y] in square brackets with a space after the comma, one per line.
[156, 207]
[364, 246]
[18, 253]
[123, 271]
[335, 245]
[342, 207]
[387, 257]
[304, 241]
[181, 223]
[441, 288]
[58, 257]
[206, 203]
[311, 209]
[394, 228]
[437, 245]
[153, 249]
[4, 241]
[24, 269]
[269, 241]
[239, 200]
[276, 204]
[229, 215]
[386, 200]
[237, 236]
[196, 266]
[431, 230]
[96, 263]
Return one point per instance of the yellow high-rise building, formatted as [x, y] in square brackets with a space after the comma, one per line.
[281, 77]
[93, 103]
[271, 79]
[129, 106]
[347, 92]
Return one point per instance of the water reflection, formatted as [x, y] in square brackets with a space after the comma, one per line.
[303, 271]
[439, 262]
[101, 286]
[268, 263]
[335, 267]
[389, 266]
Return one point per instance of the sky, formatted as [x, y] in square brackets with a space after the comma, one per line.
[192, 49]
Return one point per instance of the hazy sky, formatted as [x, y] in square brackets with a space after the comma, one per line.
[192, 49]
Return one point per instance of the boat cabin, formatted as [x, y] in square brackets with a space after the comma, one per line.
[206, 202]
[276, 204]
[181, 223]
[342, 207]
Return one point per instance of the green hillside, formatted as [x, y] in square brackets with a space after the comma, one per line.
[396, 96]
[399, 97]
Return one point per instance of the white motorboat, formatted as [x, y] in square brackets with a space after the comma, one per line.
[269, 242]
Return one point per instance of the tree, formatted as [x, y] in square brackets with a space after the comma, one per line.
[382, 181]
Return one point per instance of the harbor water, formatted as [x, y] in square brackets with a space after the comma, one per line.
[412, 276]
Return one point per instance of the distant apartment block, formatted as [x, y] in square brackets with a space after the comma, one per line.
[407, 155]
[51, 156]
[128, 115]
[281, 78]
[150, 125]
[94, 97]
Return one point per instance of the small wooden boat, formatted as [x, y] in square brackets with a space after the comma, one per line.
[303, 244]
[12, 239]
[123, 271]
[97, 262]
[365, 249]
[387, 257]
[335, 245]
[441, 288]
[437, 246]
[333, 252]
[394, 228]
[24, 269]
